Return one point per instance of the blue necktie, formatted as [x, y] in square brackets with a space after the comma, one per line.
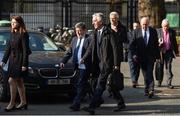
[76, 51]
[145, 37]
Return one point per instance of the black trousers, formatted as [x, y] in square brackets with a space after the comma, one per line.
[101, 87]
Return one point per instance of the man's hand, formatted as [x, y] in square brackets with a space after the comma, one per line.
[81, 61]
[61, 65]
[135, 59]
[160, 40]
[24, 68]
[158, 60]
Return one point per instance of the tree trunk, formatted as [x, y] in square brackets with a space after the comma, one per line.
[154, 9]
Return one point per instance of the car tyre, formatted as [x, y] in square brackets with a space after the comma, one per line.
[3, 89]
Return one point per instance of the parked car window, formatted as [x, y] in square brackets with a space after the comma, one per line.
[37, 43]
[4, 37]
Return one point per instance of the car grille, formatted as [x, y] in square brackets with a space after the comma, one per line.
[48, 72]
[67, 73]
[53, 73]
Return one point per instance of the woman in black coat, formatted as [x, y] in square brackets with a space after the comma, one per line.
[17, 54]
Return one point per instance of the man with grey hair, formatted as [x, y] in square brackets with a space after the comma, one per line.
[168, 49]
[76, 51]
[145, 51]
[119, 31]
[105, 59]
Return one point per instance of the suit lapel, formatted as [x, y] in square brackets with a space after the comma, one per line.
[142, 37]
[150, 34]
[102, 34]
[161, 33]
[74, 43]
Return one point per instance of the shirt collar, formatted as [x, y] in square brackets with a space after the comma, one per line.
[101, 29]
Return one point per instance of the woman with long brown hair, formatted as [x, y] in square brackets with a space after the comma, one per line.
[17, 54]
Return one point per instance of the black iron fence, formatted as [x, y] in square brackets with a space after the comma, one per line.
[48, 13]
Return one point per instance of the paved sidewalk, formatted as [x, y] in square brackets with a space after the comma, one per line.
[165, 102]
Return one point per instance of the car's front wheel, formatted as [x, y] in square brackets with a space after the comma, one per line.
[3, 88]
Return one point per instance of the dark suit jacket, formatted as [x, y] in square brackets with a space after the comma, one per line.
[121, 36]
[143, 51]
[70, 52]
[172, 36]
[109, 56]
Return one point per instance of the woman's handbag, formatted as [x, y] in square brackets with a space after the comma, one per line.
[116, 80]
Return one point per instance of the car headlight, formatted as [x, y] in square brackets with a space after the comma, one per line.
[30, 70]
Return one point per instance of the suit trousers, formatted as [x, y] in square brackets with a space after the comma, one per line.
[134, 70]
[167, 61]
[147, 67]
[81, 86]
[100, 88]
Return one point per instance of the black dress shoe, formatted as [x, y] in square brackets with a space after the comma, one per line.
[90, 110]
[134, 85]
[170, 87]
[151, 94]
[99, 103]
[159, 84]
[8, 110]
[146, 93]
[74, 108]
[120, 107]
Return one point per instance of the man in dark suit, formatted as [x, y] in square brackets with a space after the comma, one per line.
[105, 59]
[168, 47]
[76, 51]
[145, 51]
[134, 66]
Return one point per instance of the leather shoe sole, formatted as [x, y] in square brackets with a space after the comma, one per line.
[170, 87]
[100, 103]
[120, 108]
[74, 108]
[90, 110]
[151, 94]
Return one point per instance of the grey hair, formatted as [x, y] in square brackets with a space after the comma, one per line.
[80, 25]
[165, 21]
[114, 14]
[145, 18]
[99, 16]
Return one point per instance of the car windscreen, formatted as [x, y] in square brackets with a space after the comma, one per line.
[39, 42]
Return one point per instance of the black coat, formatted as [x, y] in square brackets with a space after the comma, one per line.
[143, 51]
[121, 36]
[17, 51]
[108, 49]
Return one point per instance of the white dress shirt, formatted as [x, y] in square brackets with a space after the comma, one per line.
[80, 66]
